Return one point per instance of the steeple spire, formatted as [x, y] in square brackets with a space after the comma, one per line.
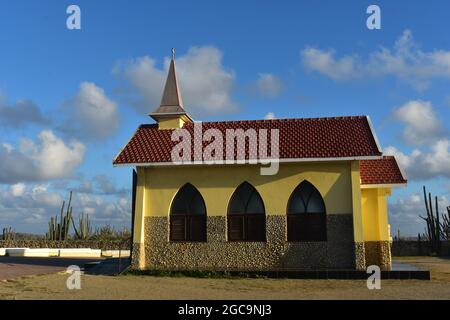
[171, 105]
[171, 95]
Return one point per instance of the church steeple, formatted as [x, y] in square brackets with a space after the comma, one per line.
[171, 95]
[171, 114]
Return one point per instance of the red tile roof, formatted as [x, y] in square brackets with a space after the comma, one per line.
[337, 137]
[381, 171]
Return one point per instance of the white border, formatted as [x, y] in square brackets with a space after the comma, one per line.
[385, 185]
[401, 169]
[260, 161]
[374, 134]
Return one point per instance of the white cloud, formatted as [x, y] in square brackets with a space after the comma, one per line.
[421, 165]
[84, 187]
[7, 147]
[33, 205]
[42, 196]
[50, 158]
[270, 116]
[31, 210]
[324, 62]
[406, 61]
[17, 189]
[92, 115]
[105, 186]
[422, 123]
[102, 210]
[20, 114]
[55, 159]
[98, 185]
[146, 80]
[206, 86]
[34, 218]
[405, 212]
[267, 85]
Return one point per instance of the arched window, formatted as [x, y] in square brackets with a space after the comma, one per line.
[188, 215]
[246, 215]
[306, 214]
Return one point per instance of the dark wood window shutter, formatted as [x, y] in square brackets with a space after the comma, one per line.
[255, 227]
[188, 216]
[236, 228]
[246, 215]
[177, 228]
[317, 227]
[247, 227]
[197, 228]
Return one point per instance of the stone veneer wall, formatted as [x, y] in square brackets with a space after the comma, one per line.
[378, 253]
[219, 254]
[360, 256]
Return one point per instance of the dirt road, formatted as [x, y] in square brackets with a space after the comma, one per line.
[53, 286]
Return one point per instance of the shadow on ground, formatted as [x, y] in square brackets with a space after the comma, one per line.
[54, 261]
[107, 267]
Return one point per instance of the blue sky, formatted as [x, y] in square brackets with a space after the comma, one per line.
[236, 60]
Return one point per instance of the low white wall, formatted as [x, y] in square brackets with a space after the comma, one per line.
[115, 253]
[27, 252]
[46, 252]
[80, 253]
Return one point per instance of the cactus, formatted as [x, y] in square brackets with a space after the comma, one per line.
[8, 234]
[85, 230]
[60, 231]
[436, 230]
[446, 224]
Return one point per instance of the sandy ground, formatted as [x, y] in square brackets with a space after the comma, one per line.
[53, 286]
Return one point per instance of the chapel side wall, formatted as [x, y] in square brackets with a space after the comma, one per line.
[217, 184]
